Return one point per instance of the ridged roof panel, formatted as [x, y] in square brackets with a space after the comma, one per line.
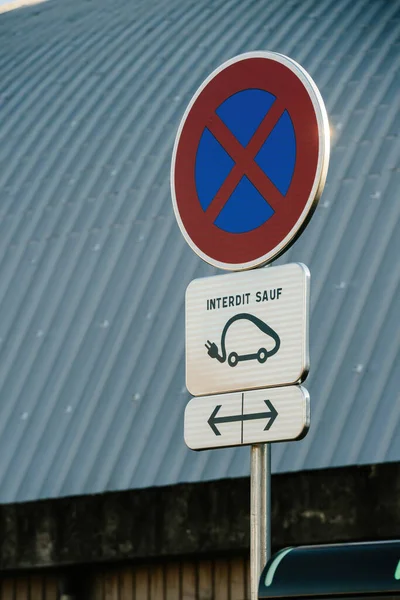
[93, 269]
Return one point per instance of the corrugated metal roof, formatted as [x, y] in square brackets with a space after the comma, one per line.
[93, 268]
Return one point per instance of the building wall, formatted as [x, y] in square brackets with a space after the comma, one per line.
[29, 587]
[86, 540]
[220, 579]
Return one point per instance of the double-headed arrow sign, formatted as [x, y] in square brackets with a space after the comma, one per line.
[271, 415]
[250, 417]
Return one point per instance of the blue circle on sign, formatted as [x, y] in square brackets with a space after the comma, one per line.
[246, 208]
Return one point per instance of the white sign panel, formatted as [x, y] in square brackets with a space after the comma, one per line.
[247, 330]
[242, 418]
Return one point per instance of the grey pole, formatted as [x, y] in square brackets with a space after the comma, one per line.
[260, 513]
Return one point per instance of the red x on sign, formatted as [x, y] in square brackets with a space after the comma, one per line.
[250, 160]
[244, 160]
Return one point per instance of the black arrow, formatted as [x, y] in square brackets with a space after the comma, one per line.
[271, 415]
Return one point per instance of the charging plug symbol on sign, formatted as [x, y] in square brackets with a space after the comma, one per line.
[250, 160]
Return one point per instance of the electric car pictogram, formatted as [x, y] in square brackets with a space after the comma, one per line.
[234, 357]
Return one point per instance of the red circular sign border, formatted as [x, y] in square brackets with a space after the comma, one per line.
[286, 80]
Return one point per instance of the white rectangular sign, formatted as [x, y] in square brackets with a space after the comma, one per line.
[242, 418]
[247, 330]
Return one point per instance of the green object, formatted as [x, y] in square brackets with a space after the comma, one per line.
[397, 572]
[333, 571]
[274, 565]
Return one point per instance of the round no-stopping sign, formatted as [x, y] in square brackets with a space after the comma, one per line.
[250, 160]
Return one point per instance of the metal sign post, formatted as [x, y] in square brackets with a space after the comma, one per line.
[260, 513]
[248, 168]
